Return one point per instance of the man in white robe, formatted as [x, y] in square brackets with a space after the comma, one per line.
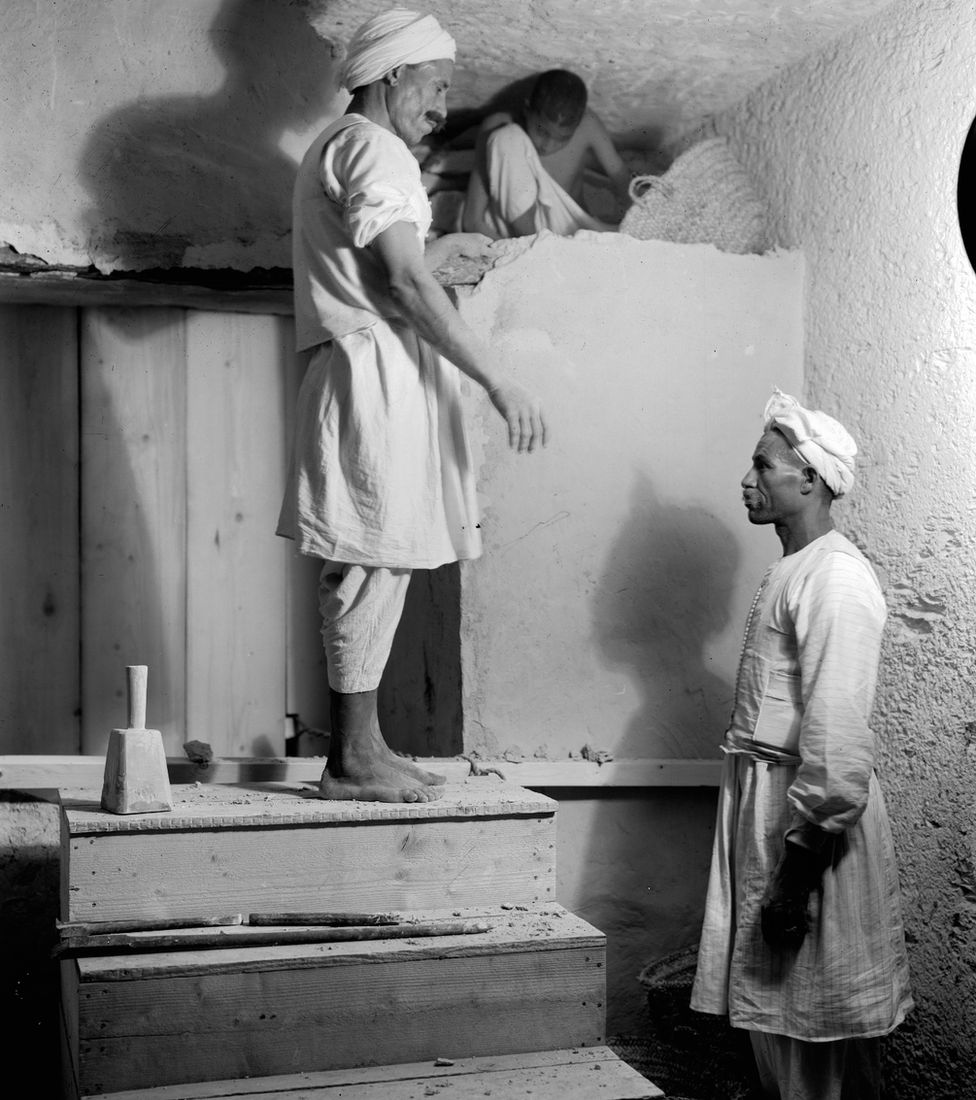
[802, 943]
[381, 481]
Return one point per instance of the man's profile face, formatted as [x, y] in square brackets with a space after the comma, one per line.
[547, 135]
[418, 101]
[771, 487]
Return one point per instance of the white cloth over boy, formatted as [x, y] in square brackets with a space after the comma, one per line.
[517, 184]
[800, 753]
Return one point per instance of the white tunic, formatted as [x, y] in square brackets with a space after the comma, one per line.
[517, 184]
[800, 750]
[380, 473]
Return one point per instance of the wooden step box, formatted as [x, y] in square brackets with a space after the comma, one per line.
[266, 847]
[534, 981]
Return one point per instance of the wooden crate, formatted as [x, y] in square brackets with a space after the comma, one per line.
[535, 981]
[260, 847]
[595, 1073]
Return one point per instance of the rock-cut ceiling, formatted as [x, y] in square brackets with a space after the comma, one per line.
[654, 67]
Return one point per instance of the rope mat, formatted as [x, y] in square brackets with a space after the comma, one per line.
[690, 1055]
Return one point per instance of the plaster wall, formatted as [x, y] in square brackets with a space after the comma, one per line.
[607, 610]
[157, 133]
[858, 152]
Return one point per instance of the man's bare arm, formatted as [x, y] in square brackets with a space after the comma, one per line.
[608, 158]
[426, 306]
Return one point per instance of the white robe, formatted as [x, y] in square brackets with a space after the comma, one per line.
[380, 473]
[517, 184]
[800, 752]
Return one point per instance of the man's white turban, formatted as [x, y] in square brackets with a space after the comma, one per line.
[817, 438]
[395, 37]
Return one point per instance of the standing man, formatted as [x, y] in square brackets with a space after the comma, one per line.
[802, 943]
[381, 481]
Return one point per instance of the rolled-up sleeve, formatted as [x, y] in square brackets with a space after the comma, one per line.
[839, 614]
[380, 185]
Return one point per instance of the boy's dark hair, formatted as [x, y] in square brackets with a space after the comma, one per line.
[559, 96]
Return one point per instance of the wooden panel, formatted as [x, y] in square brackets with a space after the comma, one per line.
[307, 673]
[133, 492]
[524, 988]
[39, 626]
[69, 288]
[481, 844]
[236, 609]
[577, 1074]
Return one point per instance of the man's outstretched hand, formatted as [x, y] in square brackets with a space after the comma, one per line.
[523, 415]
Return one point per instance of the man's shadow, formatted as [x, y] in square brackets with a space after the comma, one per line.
[168, 174]
[666, 590]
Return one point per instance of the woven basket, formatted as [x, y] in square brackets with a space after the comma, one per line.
[689, 1053]
[704, 197]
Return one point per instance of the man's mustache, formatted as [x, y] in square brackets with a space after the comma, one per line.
[438, 120]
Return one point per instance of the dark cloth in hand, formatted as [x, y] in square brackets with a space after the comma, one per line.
[783, 912]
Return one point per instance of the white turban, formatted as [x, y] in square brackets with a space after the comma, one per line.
[396, 37]
[817, 438]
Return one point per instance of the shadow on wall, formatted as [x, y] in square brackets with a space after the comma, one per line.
[665, 591]
[168, 174]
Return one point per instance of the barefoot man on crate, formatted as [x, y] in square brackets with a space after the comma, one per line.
[381, 480]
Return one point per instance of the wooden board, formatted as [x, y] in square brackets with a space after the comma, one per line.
[235, 467]
[536, 981]
[39, 634]
[581, 1074]
[133, 517]
[266, 847]
[39, 772]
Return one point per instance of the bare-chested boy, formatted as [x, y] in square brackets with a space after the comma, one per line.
[529, 165]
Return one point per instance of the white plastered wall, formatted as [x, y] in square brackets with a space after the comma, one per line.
[607, 610]
[858, 154]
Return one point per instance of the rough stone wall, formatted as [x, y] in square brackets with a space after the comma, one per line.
[858, 153]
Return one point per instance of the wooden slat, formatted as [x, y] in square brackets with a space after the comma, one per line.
[39, 629]
[579, 1074]
[133, 492]
[46, 772]
[236, 566]
[70, 289]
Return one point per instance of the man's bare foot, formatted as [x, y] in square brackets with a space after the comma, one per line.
[430, 779]
[346, 789]
[361, 764]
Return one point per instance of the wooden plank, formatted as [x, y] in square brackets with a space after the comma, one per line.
[211, 859]
[133, 445]
[306, 670]
[236, 566]
[567, 1074]
[382, 1008]
[274, 804]
[71, 289]
[538, 774]
[44, 772]
[39, 591]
